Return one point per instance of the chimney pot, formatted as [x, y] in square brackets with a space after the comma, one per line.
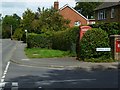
[56, 5]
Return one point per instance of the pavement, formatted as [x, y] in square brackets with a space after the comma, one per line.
[19, 57]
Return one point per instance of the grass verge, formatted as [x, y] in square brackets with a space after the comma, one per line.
[45, 53]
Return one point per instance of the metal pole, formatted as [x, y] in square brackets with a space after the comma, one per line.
[26, 35]
[11, 32]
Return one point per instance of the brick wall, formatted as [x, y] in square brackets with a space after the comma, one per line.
[70, 14]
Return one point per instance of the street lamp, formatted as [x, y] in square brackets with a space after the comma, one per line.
[11, 31]
[26, 35]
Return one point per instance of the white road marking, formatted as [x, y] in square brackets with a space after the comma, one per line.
[5, 72]
[15, 84]
[70, 80]
[25, 59]
[2, 85]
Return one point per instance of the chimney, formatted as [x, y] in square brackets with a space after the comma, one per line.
[56, 5]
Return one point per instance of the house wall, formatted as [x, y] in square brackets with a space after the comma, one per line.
[109, 19]
[68, 13]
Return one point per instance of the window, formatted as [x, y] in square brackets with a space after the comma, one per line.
[77, 23]
[102, 15]
[112, 13]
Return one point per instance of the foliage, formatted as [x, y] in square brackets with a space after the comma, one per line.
[43, 21]
[28, 18]
[18, 34]
[65, 40]
[51, 20]
[92, 39]
[87, 8]
[38, 40]
[61, 40]
[111, 28]
[0, 27]
[13, 20]
[45, 53]
[98, 60]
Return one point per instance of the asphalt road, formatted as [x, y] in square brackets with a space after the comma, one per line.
[6, 51]
[21, 76]
[34, 77]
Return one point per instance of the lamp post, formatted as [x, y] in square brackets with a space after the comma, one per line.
[26, 35]
[11, 31]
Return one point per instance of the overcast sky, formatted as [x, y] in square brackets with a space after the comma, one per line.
[8, 7]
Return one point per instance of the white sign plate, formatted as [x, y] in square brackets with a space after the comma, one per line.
[103, 49]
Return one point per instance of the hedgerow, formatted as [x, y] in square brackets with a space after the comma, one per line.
[111, 28]
[92, 39]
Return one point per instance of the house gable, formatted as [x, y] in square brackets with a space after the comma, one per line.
[75, 17]
[65, 6]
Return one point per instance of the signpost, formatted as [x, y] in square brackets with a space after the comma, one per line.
[103, 49]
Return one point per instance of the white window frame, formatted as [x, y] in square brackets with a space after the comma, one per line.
[77, 23]
[112, 12]
[101, 14]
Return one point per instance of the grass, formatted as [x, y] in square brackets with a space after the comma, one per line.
[45, 53]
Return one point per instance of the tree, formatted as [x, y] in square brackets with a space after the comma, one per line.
[18, 34]
[7, 22]
[0, 25]
[87, 8]
[51, 20]
[28, 18]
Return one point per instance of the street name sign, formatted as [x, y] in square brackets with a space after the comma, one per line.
[103, 49]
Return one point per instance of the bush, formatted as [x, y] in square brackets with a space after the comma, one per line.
[18, 34]
[111, 28]
[92, 39]
[65, 40]
[39, 40]
[60, 40]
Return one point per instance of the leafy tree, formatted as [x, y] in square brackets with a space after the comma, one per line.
[28, 18]
[0, 25]
[51, 20]
[87, 8]
[8, 22]
[18, 34]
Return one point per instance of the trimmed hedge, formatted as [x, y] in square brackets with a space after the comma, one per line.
[92, 39]
[65, 40]
[39, 41]
[60, 40]
[111, 28]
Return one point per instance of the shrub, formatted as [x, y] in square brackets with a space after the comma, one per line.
[92, 39]
[18, 34]
[65, 40]
[111, 28]
[39, 40]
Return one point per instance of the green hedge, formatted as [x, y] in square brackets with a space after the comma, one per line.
[65, 40]
[60, 40]
[92, 39]
[111, 28]
[39, 40]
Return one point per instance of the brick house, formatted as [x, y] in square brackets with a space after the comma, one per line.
[108, 12]
[71, 14]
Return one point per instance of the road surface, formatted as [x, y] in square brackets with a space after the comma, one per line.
[20, 76]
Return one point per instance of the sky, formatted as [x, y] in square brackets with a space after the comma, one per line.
[9, 7]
